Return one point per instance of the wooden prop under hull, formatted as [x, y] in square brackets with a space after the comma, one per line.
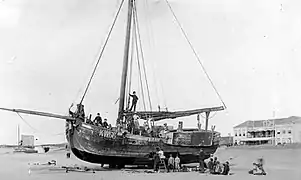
[87, 145]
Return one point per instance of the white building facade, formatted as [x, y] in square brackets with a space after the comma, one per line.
[272, 131]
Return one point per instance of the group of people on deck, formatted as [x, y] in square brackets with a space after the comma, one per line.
[98, 122]
[80, 113]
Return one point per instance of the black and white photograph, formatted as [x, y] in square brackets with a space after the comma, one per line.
[150, 89]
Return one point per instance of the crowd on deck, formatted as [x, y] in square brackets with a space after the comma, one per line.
[131, 123]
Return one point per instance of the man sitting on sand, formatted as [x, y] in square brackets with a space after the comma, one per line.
[210, 165]
[258, 168]
[217, 168]
[226, 168]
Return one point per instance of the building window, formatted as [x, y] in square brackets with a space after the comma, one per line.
[243, 134]
[239, 134]
[283, 131]
[235, 134]
[289, 131]
[278, 132]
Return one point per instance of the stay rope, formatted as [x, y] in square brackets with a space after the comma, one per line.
[142, 54]
[139, 66]
[141, 51]
[195, 53]
[102, 51]
[151, 45]
[37, 131]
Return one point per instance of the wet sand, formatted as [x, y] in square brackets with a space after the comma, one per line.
[280, 163]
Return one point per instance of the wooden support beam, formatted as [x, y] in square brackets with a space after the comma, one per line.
[207, 119]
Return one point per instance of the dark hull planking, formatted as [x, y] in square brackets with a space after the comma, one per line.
[88, 144]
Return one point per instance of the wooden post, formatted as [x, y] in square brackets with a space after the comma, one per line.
[207, 119]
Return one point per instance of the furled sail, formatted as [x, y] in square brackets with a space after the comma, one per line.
[161, 115]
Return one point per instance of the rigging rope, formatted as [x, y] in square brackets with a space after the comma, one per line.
[141, 51]
[152, 43]
[102, 51]
[151, 46]
[35, 130]
[196, 55]
[131, 69]
[138, 62]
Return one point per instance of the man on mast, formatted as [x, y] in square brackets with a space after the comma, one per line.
[134, 101]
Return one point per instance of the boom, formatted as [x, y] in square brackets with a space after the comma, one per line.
[39, 113]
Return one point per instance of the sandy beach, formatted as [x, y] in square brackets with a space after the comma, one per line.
[280, 163]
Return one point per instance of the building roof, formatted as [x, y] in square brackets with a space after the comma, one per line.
[278, 121]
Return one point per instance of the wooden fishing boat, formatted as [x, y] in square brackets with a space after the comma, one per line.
[118, 146]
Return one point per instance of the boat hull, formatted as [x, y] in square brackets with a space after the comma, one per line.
[97, 145]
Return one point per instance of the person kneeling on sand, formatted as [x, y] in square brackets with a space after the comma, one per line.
[217, 168]
[258, 168]
[210, 165]
[226, 168]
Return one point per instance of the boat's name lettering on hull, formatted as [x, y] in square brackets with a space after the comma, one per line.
[107, 134]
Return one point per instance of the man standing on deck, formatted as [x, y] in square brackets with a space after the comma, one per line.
[134, 101]
[98, 120]
[105, 124]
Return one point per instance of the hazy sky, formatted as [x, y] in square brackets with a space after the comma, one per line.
[251, 49]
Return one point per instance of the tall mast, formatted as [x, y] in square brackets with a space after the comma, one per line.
[125, 61]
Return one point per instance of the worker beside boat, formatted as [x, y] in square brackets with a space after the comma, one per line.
[171, 163]
[156, 159]
[177, 163]
[201, 161]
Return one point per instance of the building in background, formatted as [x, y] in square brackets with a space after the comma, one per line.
[27, 140]
[271, 131]
[226, 141]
